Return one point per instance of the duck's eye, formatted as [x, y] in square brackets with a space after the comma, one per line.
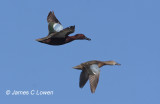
[57, 27]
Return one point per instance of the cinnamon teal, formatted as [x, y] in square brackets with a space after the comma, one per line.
[91, 71]
[57, 35]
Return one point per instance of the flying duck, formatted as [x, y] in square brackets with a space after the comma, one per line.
[57, 35]
[91, 71]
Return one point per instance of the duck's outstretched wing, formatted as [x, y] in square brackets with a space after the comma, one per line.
[83, 78]
[52, 18]
[63, 33]
[53, 23]
[94, 78]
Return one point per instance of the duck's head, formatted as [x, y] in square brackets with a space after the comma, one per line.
[81, 37]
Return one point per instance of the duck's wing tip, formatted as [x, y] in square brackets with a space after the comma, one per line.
[52, 18]
[83, 78]
[94, 81]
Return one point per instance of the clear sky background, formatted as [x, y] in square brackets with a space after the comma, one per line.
[127, 31]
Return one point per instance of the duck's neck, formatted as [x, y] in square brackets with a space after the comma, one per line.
[102, 63]
[108, 62]
[70, 38]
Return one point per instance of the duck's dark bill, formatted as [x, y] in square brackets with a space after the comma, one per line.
[87, 38]
[118, 64]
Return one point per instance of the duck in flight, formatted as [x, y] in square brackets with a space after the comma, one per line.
[57, 35]
[91, 71]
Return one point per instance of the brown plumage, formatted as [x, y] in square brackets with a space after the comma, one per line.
[91, 71]
[57, 35]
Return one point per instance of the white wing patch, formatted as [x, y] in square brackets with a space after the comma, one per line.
[94, 69]
[57, 27]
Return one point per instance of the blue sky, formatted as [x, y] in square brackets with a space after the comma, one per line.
[126, 31]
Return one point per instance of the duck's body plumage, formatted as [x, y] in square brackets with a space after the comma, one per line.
[57, 35]
[58, 38]
[91, 71]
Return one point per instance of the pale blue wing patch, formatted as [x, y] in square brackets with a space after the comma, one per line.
[57, 27]
[94, 69]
